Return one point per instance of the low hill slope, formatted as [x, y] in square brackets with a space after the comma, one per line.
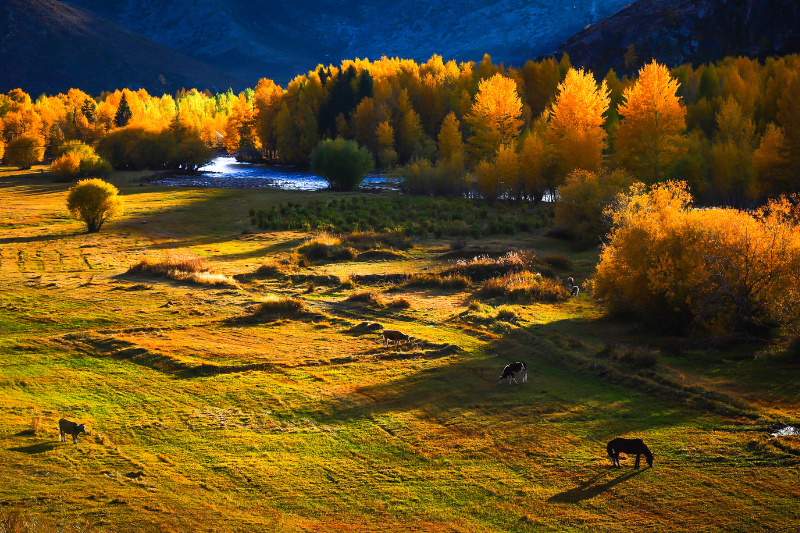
[48, 46]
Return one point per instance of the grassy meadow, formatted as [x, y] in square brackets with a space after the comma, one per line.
[205, 415]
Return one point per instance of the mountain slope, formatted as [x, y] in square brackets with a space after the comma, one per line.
[681, 31]
[257, 38]
[47, 46]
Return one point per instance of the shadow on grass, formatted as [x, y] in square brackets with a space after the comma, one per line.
[590, 488]
[34, 448]
[38, 238]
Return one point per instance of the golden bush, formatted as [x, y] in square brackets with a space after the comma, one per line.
[712, 269]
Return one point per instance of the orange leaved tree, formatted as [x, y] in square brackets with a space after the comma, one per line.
[576, 123]
[653, 117]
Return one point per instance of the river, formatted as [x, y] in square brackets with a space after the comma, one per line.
[227, 173]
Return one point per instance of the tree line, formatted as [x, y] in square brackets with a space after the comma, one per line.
[731, 129]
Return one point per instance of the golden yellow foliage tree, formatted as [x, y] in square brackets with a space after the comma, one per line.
[451, 146]
[267, 101]
[387, 156]
[584, 197]
[495, 117]
[576, 123]
[647, 140]
[733, 170]
[771, 163]
[497, 176]
[94, 202]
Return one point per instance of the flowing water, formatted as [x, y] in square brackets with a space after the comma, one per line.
[225, 172]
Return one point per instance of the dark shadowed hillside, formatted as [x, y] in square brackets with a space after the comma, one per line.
[681, 31]
[47, 46]
[256, 38]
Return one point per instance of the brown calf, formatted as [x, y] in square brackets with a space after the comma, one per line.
[393, 335]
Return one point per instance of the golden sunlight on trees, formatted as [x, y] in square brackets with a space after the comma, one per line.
[451, 146]
[576, 123]
[495, 117]
[78, 159]
[94, 202]
[715, 270]
[387, 156]
[584, 197]
[647, 140]
[25, 151]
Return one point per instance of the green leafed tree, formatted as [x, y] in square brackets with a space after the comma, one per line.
[343, 163]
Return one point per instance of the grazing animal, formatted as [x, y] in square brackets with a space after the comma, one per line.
[68, 427]
[514, 368]
[575, 290]
[393, 335]
[570, 281]
[628, 447]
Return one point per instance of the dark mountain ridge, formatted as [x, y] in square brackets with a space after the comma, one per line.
[48, 46]
[686, 31]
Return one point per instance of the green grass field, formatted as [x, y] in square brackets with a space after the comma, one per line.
[201, 418]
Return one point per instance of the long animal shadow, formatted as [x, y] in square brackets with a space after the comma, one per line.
[589, 488]
[34, 448]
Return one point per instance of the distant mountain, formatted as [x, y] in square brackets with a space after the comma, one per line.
[251, 39]
[687, 31]
[48, 46]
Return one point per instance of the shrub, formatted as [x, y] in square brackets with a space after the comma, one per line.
[270, 269]
[94, 201]
[559, 261]
[25, 151]
[483, 267]
[401, 303]
[325, 247]
[583, 198]
[448, 281]
[180, 267]
[525, 287]
[76, 160]
[715, 269]
[506, 314]
[139, 148]
[272, 306]
[632, 356]
[343, 163]
[347, 283]
[369, 297]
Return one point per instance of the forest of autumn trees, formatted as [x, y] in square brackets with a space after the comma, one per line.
[731, 130]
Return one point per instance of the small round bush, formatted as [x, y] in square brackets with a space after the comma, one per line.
[342, 163]
[94, 201]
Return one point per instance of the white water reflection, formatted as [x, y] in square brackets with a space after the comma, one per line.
[226, 172]
[788, 431]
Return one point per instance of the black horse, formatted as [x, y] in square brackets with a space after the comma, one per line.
[629, 447]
